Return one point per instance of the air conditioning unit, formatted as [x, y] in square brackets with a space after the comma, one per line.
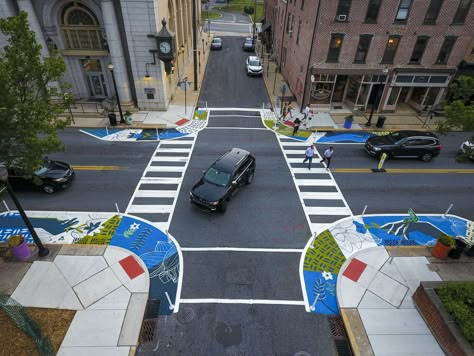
[341, 18]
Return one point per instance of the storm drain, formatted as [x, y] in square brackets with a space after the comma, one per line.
[185, 315]
[150, 321]
[339, 336]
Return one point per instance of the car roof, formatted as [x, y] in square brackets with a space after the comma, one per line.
[254, 58]
[229, 160]
[410, 133]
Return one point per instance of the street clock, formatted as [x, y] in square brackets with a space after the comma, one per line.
[165, 44]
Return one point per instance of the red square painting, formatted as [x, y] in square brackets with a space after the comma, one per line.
[355, 269]
[131, 267]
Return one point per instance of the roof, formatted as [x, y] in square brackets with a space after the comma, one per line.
[230, 159]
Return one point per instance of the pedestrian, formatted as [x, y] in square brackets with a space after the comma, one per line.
[309, 155]
[284, 112]
[297, 123]
[306, 112]
[327, 157]
[290, 107]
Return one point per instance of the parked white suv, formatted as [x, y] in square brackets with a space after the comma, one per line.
[253, 66]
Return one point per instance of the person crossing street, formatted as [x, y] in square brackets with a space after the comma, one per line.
[309, 155]
[327, 155]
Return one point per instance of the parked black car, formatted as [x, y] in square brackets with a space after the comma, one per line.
[223, 179]
[407, 144]
[248, 45]
[52, 176]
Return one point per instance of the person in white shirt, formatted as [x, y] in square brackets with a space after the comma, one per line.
[306, 112]
[327, 156]
[309, 155]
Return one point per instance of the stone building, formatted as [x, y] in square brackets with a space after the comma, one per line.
[92, 34]
[343, 54]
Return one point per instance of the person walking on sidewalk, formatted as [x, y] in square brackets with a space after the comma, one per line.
[306, 112]
[297, 123]
[284, 112]
[290, 107]
[309, 155]
[327, 157]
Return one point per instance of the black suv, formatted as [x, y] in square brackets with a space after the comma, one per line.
[223, 179]
[52, 176]
[420, 144]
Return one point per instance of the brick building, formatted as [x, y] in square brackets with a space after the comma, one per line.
[92, 34]
[400, 54]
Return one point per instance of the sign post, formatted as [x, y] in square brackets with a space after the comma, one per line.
[184, 85]
[380, 169]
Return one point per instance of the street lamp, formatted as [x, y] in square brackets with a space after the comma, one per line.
[42, 251]
[377, 98]
[111, 68]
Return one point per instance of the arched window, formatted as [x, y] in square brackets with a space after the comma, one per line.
[80, 28]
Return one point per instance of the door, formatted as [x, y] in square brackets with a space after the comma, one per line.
[411, 148]
[95, 78]
[338, 94]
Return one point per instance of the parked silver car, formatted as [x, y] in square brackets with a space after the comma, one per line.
[253, 66]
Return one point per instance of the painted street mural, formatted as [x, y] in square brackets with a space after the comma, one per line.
[158, 250]
[332, 247]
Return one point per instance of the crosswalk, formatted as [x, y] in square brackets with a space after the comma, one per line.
[320, 196]
[156, 193]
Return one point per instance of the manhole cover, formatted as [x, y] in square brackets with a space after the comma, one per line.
[302, 353]
[185, 315]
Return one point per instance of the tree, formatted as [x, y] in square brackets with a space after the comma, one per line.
[459, 113]
[31, 102]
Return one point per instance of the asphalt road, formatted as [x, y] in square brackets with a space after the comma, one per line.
[226, 83]
[93, 189]
[425, 192]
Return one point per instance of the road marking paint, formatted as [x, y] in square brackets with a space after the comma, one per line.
[206, 249]
[242, 301]
[407, 170]
[99, 168]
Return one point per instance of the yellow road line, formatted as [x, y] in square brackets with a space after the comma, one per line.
[407, 170]
[99, 168]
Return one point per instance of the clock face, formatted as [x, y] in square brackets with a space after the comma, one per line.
[165, 47]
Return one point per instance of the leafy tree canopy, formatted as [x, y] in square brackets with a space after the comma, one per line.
[459, 113]
[29, 106]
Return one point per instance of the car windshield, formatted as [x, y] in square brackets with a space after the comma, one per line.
[254, 62]
[217, 177]
[216, 40]
[43, 168]
[397, 136]
[248, 42]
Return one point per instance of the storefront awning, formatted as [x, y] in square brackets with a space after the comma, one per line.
[342, 71]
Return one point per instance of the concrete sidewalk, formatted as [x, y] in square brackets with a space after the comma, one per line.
[107, 285]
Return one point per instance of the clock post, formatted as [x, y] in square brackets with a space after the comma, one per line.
[165, 41]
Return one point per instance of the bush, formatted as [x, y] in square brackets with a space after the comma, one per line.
[447, 240]
[249, 10]
[458, 300]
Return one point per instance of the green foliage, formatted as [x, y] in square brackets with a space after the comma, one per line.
[459, 114]
[447, 240]
[458, 300]
[249, 10]
[31, 99]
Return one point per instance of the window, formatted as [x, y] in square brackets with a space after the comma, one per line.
[302, 4]
[291, 26]
[343, 7]
[403, 9]
[419, 49]
[298, 33]
[335, 47]
[81, 29]
[391, 49]
[462, 11]
[373, 11]
[433, 11]
[283, 59]
[446, 48]
[288, 23]
[362, 48]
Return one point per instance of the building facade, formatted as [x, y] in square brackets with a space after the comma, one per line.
[92, 34]
[399, 54]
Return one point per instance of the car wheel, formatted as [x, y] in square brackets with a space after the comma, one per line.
[223, 206]
[427, 157]
[48, 189]
[249, 178]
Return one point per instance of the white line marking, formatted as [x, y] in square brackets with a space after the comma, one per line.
[242, 301]
[164, 169]
[315, 182]
[160, 180]
[327, 210]
[155, 194]
[321, 195]
[169, 159]
[205, 249]
[157, 209]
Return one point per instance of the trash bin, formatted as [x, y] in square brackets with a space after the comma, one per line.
[348, 122]
[129, 120]
[380, 121]
[113, 119]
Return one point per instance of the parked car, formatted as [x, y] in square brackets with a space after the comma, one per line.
[253, 66]
[225, 177]
[467, 148]
[216, 43]
[407, 144]
[52, 176]
[248, 45]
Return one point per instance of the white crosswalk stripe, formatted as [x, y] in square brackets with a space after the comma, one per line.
[156, 193]
[320, 196]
